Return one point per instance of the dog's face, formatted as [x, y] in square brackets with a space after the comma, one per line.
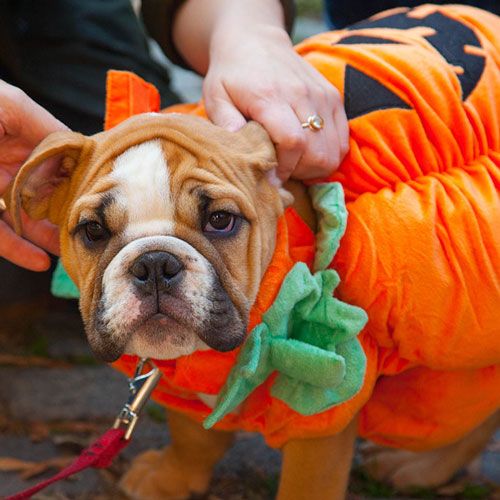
[167, 226]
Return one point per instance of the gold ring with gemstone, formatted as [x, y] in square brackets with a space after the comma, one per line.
[314, 123]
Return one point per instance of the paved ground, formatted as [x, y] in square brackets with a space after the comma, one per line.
[55, 403]
[54, 399]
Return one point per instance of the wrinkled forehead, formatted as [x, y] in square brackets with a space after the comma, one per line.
[136, 184]
[153, 151]
[190, 134]
[147, 167]
[147, 184]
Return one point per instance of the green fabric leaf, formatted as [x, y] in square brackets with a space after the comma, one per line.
[328, 201]
[293, 359]
[251, 372]
[62, 285]
[308, 336]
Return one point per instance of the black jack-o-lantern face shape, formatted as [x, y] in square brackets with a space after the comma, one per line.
[451, 38]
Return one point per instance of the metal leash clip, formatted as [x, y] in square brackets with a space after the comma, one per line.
[141, 385]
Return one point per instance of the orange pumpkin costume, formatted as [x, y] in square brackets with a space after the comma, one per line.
[421, 253]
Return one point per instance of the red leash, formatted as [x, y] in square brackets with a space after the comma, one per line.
[101, 453]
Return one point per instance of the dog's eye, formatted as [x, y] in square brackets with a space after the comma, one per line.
[220, 222]
[95, 232]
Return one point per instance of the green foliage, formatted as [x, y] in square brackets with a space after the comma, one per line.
[85, 360]
[367, 487]
[309, 8]
[362, 484]
[477, 491]
[39, 347]
[271, 484]
[156, 413]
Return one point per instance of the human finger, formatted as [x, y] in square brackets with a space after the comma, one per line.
[20, 251]
[327, 134]
[342, 126]
[41, 233]
[5, 179]
[221, 110]
[321, 149]
[21, 116]
[283, 126]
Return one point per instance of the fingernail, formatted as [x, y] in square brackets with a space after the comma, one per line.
[233, 126]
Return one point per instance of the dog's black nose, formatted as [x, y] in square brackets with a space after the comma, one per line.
[156, 271]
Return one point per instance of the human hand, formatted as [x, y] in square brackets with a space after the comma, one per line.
[256, 74]
[23, 124]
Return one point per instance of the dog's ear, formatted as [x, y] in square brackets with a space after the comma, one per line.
[38, 186]
[259, 146]
[263, 154]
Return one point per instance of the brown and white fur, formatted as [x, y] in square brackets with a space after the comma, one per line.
[136, 207]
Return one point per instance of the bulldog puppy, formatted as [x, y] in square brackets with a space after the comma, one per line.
[167, 226]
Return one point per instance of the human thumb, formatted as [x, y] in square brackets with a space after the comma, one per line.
[222, 112]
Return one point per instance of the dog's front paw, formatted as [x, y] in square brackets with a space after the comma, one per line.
[155, 475]
[405, 470]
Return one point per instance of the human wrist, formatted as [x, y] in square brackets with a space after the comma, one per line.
[203, 28]
[226, 36]
[240, 22]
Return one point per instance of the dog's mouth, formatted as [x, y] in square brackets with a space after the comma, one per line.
[163, 313]
[158, 327]
[168, 326]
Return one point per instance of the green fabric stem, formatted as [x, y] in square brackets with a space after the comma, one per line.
[328, 201]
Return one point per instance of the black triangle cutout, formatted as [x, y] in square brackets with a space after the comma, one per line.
[363, 94]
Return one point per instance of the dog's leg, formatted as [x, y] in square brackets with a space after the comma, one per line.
[405, 469]
[183, 468]
[317, 468]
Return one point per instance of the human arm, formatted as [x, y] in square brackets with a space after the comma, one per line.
[23, 124]
[252, 72]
